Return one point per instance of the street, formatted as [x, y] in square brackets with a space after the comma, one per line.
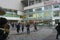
[43, 33]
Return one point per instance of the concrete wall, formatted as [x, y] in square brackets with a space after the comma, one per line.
[11, 4]
[34, 6]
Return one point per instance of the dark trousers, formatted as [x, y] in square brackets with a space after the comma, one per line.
[28, 31]
[18, 30]
[35, 28]
[58, 33]
[22, 29]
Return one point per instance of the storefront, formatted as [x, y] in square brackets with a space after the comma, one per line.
[49, 12]
[42, 17]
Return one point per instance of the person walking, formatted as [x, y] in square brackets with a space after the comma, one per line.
[35, 26]
[12, 24]
[18, 27]
[22, 27]
[58, 30]
[28, 28]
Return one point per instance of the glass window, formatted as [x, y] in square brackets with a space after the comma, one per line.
[26, 11]
[24, 2]
[30, 15]
[56, 5]
[31, 2]
[38, 1]
[39, 9]
[59, 4]
[48, 7]
[45, 0]
[30, 10]
[47, 14]
[56, 13]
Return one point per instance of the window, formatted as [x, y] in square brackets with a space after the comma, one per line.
[48, 7]
[31, 2]
[56, 5]
[56, 13]
[38, 1]
[24, 2]
[30, 10]
[30, 15]
[39, 9]
[26, 11]
[45, 0]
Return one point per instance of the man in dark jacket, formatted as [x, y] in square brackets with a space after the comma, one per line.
[18, 27]
[3, 22]
[28, 28]
[22, 27]
[58, 30]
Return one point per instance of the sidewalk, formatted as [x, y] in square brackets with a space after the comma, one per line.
[52, 36]
[41, 34]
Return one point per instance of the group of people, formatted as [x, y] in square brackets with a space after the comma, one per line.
[4, 28]
[35, 27]
[20, 26]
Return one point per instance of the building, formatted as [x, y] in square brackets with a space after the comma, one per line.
[13, 9]
[44, 11]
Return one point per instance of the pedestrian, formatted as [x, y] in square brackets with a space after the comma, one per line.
[3, 22]
[28, 28]
[22, 27]
[35, 26]
[58, 30]
[18, 27]
[12, 24]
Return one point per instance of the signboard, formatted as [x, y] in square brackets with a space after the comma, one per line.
[50, 2]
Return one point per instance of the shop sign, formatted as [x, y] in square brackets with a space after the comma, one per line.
[50, 2]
